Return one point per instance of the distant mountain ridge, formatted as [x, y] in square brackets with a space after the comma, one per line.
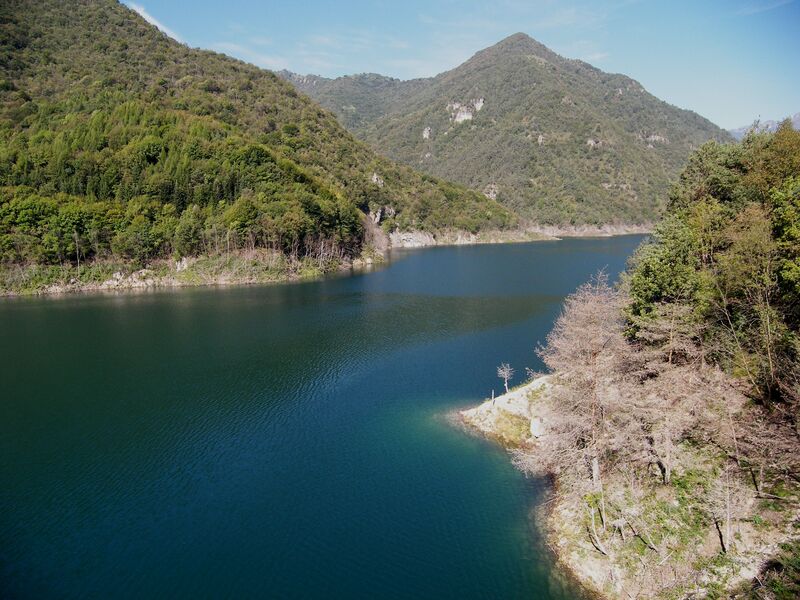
[740, 132]
[555, 139]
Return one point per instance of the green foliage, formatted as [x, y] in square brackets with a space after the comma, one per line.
[116, 140]
[785, 202]
[730, 248]
[666, 268]
[529, 92]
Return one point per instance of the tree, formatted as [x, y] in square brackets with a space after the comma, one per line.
[724, 506]
[189, 231]
[747, 291]
[505, 372]
[785, 203]
[584, 349]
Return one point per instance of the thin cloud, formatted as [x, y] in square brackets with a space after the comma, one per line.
[760, 7]
[153, 21]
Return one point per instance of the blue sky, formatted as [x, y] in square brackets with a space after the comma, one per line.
[731, 61]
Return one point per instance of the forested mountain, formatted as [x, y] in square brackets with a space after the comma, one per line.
[116, 140]
[555, 139]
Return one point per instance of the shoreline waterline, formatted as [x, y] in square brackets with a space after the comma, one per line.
[148, 278]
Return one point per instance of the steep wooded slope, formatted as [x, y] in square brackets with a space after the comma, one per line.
[555, 139]
[117, 140]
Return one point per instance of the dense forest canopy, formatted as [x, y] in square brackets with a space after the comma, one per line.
[116, 140]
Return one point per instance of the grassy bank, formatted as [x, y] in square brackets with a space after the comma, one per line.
[253, 267]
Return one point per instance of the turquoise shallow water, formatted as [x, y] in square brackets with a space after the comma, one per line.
[284, 441]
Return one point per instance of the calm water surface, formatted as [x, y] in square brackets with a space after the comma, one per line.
[285, 441]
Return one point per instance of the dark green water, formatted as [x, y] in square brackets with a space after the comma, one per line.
[286, 441]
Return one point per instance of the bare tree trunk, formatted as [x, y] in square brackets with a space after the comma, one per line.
[642, 535]
[766, 311]
[598, 484]
[721, 537]
[671, 334]
[727, 508]
[735, 335]
[593, 535]
[733, 433]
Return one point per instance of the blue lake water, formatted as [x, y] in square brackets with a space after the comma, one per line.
[285, 441]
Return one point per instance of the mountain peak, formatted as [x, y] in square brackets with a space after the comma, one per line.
[517, 38]
[554, 138]
[517, 44]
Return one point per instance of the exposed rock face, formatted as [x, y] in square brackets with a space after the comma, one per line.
[465, 112]
[653, 138]
[377, 180]
[594, 143]
[537, 427]
[143, 278]
[562, 231]
[426, 133]
[491, 191]
[376, 215]
[411, 239]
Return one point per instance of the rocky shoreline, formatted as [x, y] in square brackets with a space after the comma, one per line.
[259, 267]
[236, 269]
[518, 421]
[531, 233]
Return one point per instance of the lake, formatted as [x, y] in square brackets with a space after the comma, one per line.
[284, 441]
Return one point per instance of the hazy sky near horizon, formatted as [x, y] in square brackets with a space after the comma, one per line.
[731, 61]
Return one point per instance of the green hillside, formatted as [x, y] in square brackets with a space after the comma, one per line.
[555, 139]
[117, 141]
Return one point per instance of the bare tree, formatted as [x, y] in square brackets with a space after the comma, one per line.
[618, 405]
[725, 505]
[584, 348]
[505, 372]
[769, 447]
[669, 334]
